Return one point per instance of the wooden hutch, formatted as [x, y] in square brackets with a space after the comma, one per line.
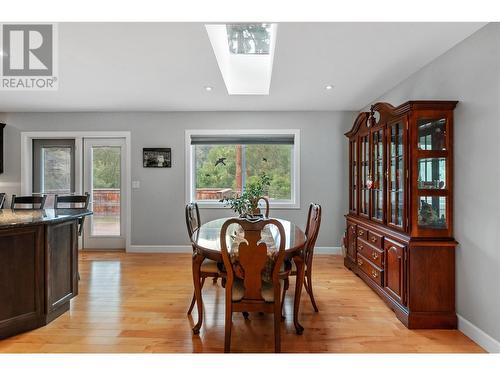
[399, 235]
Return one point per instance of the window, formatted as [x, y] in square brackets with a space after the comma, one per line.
[249, 39]
[221, 163]
[53, 167]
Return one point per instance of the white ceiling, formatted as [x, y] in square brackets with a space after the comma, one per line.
[165, 66]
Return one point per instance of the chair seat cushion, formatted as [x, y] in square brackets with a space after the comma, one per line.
[267, 291]
[209, 265]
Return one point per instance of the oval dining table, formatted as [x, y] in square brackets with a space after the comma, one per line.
[206, 243]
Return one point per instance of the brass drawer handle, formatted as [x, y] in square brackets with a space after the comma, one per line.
[360, 233]
[374, 255]
[373, 239]
[360, 247]
[374, 273]
[360, 261]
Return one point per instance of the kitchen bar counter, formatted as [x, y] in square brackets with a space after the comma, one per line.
[38, 266]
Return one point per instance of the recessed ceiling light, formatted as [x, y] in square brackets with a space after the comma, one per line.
[328, 87]
[208, 88]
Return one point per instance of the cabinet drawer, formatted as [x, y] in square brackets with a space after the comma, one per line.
[375, 255]
[371, 270]
[362, 232]
[375, 239]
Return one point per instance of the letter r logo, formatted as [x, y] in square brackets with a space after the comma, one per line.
[28, 50]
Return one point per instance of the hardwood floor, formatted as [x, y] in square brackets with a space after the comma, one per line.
[138, 303]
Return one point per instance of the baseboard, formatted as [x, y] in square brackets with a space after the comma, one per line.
[160, 249]
[188, 249]
[477, 335]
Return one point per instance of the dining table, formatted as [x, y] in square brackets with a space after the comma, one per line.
[206, 245]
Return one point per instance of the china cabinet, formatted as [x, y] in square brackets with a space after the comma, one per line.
[399, 229]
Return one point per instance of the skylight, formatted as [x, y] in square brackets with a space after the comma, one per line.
[249, 39]
[244, 53]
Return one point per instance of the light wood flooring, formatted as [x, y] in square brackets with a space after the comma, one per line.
[138, 303]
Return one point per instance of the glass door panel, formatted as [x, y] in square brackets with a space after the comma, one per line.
[365, 175]
[104, 180]
[396, 183]
[354, 175]
[377, 183]
[106, 190]
[432, 212]
[431, 134]
[53, 168]
[431, 173]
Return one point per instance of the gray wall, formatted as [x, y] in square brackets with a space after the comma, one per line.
[158, 206]
[470, 73]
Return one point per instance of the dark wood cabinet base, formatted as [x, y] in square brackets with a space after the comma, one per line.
[411, 319]
[38, 268]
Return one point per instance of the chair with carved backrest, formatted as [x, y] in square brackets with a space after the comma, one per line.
[31, 200]
[312, 230]
[245, 288]
[208, 267]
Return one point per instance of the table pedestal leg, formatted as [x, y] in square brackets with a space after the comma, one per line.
[197, 261]
[299, 262]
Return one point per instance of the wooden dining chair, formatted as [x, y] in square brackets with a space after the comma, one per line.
[312, 230]
[266, 202]
[245, 288]
[208, 267]
[74, 202]
[33, 200]
[2, 200]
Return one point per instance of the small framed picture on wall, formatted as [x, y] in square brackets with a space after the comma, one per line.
[156, 157]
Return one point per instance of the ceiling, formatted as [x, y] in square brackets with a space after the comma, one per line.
[166, 66]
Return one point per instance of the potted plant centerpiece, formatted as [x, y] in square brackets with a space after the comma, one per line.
[247, 203]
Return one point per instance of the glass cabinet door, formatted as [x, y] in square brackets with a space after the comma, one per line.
[432, 174]
[396, 175]
[353, 175]
[365, 175]
[377, 182]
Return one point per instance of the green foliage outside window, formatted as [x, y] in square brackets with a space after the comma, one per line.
[106, 167]
[273, 160]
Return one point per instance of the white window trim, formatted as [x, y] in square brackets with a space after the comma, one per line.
[294, 203]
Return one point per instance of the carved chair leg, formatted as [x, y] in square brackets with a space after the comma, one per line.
[229, 322]
[245, 315]
[193, 300]
[306, 285]
[277, 327]
[310, 291]
[191, 306]
[283, 302]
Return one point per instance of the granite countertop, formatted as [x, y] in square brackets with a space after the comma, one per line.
[20, 217]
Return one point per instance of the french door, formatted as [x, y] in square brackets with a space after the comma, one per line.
[104, 179]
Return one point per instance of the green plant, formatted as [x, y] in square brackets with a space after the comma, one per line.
[247, 202]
